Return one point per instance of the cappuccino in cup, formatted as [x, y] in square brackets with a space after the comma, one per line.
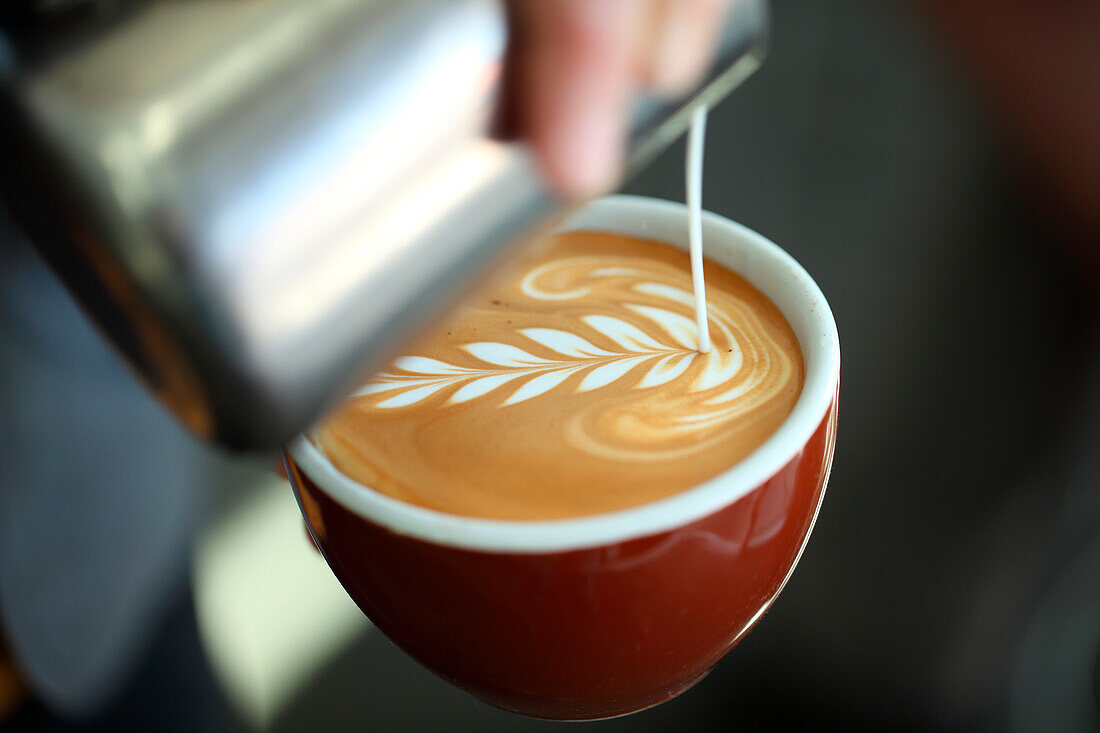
[554, 501]
[571, 385]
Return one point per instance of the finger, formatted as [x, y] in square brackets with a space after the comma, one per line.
[679, 39]
[575, 71]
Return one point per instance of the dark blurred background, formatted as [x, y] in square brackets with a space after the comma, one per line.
[953, 580]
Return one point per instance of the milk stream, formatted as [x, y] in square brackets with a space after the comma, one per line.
[693, 180]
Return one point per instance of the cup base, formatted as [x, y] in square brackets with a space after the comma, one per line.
[671, 694]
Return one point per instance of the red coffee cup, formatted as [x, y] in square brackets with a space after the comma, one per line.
[607, 614]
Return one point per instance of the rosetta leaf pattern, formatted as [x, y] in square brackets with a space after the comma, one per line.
[415, 379]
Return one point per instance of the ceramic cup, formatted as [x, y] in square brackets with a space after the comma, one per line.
[606, 614]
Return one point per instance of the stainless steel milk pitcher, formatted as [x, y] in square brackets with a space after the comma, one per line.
[258, 200]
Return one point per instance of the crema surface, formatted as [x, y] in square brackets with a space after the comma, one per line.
[571, 385]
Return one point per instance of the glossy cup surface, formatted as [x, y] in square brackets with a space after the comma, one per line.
[603, 615]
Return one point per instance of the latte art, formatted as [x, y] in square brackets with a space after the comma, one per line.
[574, 387]
[651, 344]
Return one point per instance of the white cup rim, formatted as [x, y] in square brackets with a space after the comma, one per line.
[760, 261]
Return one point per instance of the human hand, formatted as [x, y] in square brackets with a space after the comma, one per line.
[576, 65]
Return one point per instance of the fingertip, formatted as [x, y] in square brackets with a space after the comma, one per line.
[681, 44]
[577, 84]
[582, 156]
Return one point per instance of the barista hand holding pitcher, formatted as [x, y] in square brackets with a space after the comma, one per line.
[77, 650]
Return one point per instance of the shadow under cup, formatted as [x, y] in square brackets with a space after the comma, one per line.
[606, 614]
